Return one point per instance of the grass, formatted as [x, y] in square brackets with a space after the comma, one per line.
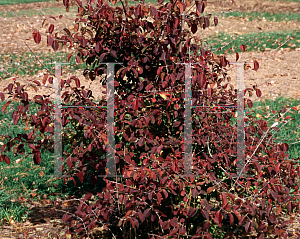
[36, 12]
[11, 210]
[288, 133]
[254, 42]
[265, 15]
[26, 64]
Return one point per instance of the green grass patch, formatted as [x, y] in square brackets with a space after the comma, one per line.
[11, 210]
[25, 64]
[287, 16]
[288, 124]
[22, 177]
[36, 12]
[254, 42]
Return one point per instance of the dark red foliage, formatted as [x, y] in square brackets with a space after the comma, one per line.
[153, 200]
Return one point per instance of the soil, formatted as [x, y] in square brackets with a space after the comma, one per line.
[278, 74]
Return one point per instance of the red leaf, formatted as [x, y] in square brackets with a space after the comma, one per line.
[37, 82]
[149, 87]
[141, 216]
[45, 79]
[36, 36]
[135, 104]
[249, 103]
[223, 61]
[69, 56]
[147, 212]
[237, 56]
[88, 196]
[218, 217]
[194, 192]
[258, 92]
[201, 7]
[16, 119]
[210, 92]
[50, 80]
[206, 225]
[159, 70]
[102, 57]
[243, 48]
[51, 28]
[210, 189]
[97, 48]
[159, 197]
[153, 11]
[6, 159]
[77, 82]
[192, 212]
[2, 96]
[285, 147]
[247, 227]
[256, 65]
[66, 217]
[55, 45]
[289, 206]
[5, 106]
[80, 175]
[194, 28]
[141, 141]
[216, 21]
[49, 40]
[113, 53]
[206, 22]
[205, 213]
[231, 218]
[37, 157]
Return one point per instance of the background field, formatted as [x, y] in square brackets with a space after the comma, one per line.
[278, 77]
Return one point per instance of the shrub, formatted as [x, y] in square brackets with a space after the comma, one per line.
[152, 200]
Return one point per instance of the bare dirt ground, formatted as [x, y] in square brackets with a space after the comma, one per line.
[278, 74]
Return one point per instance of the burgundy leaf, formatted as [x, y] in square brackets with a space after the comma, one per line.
[36, 36]
[289, 206]
[5, 106]
[66, 217]
[237, 56]
[51, 28]
[285, 147]
[258, 92]
[6, 159]
[37, 157]
[194, 28]
[218, 217]
[200, 7]
[141, 141]
[243, 48]
[55, 45]
[249, 103]
[49, 40]
[216, 21]
[69, 56]
[103, 56]
[2, 96]
[135, 104]
[149, 87]
[256, 65]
